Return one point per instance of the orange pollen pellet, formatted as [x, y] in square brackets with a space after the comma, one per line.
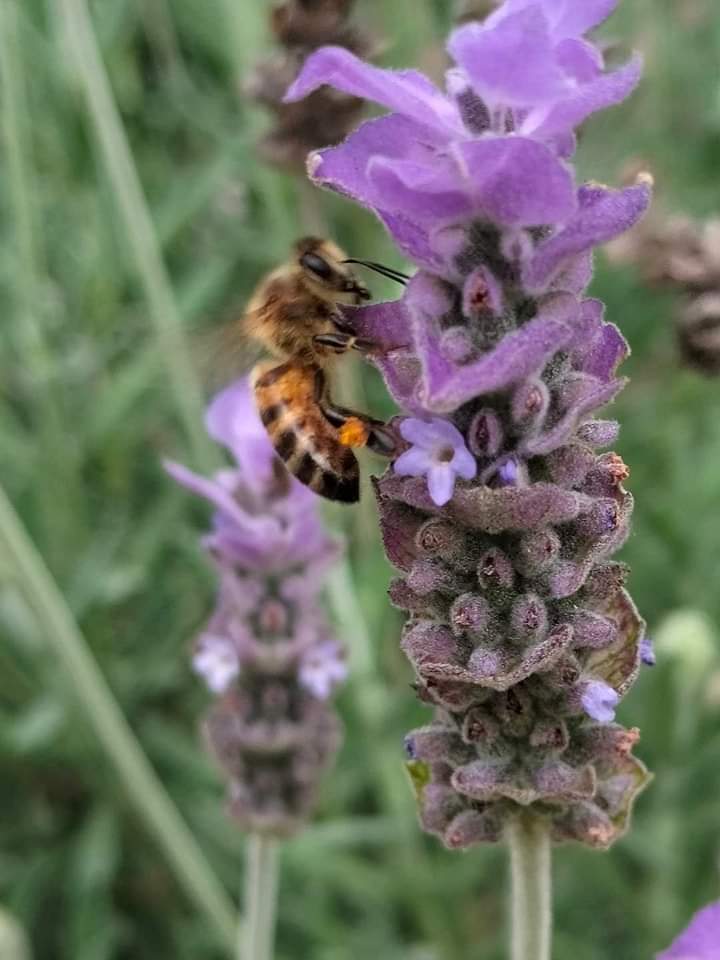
[353, 433]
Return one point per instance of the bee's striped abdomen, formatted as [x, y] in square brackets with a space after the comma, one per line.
[309, 446]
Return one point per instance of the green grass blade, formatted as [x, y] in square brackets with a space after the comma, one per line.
[137, 221]
[113, 731]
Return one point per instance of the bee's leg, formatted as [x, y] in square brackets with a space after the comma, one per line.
[342, 342]
[358, 430]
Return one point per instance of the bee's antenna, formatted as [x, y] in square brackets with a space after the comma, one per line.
[388, 272]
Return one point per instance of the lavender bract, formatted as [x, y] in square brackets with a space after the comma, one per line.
[267, 651]
[519, 629]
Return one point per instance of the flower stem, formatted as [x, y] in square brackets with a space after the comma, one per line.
[257, 937]
[106, 719]
[530, 859]
[138, 223]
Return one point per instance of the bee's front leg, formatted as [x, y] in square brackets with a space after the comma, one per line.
[342, 342]
[358, 430]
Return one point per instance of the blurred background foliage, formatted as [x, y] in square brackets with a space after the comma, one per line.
[87, 413]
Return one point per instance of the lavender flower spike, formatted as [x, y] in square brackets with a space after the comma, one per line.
[503, 513]
[266, 652]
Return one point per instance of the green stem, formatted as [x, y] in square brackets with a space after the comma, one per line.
[257, 939]
[139, 227]
[530, 858]
[111, 728]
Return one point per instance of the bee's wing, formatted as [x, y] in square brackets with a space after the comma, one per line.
[223, 353]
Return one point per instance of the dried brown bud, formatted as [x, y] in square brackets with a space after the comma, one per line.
[326, 116]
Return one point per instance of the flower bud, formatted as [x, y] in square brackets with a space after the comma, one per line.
[530, 404]
[427, 576]
[439, 805]
[536, 552]
[606, 580]
[431, 743]
[456, 346]
[592, 630]
[528, 619]
[480, 727]
[495, 571]
[485, 434]
[472, 827]
[550, 735]
[481, 294]
[515, 711]
[599, 433]
[570, 465]
[601, 519]
[469, 615]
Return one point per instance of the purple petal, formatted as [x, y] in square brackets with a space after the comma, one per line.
[464, 464]
[516, 181]
[600, 346]
[599, 701]
[567, 18]
[519, 355]
[386, 324]
[426, 433]
[571, 19]
[232, 419]
[579, 58]
[220, 497]
[412, 240]
[413, 463]
[421, 191]
[511, 62]
[603, 214]
[405, 91]
[701, 939]
[647, 651]
[394, 139]
[441, 483]
[588, 98]
[216, 661]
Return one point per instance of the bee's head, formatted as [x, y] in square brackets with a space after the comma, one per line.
[323, 270]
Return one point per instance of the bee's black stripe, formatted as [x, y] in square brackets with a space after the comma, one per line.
[306, 469]
[348, 461]
[285, 445]
[270, 414]
[333, 487]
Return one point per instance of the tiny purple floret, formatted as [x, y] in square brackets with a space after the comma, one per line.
[647, 651]
[322, 669]
[438, 452]
[599, 701]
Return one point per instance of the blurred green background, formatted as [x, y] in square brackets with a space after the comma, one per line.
[87, 411]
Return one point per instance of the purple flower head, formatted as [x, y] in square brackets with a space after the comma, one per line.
[266, 651]
[700, 941]
[520, 631]
[438, 452]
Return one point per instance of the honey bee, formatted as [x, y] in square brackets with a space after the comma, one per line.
[295, 315]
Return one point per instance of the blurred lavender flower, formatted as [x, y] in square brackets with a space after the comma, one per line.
[701, 940]
[683, 255]
[267, 651]
[301, 26]
[503, 515]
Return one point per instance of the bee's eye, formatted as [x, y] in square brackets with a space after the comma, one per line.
[321, 268]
